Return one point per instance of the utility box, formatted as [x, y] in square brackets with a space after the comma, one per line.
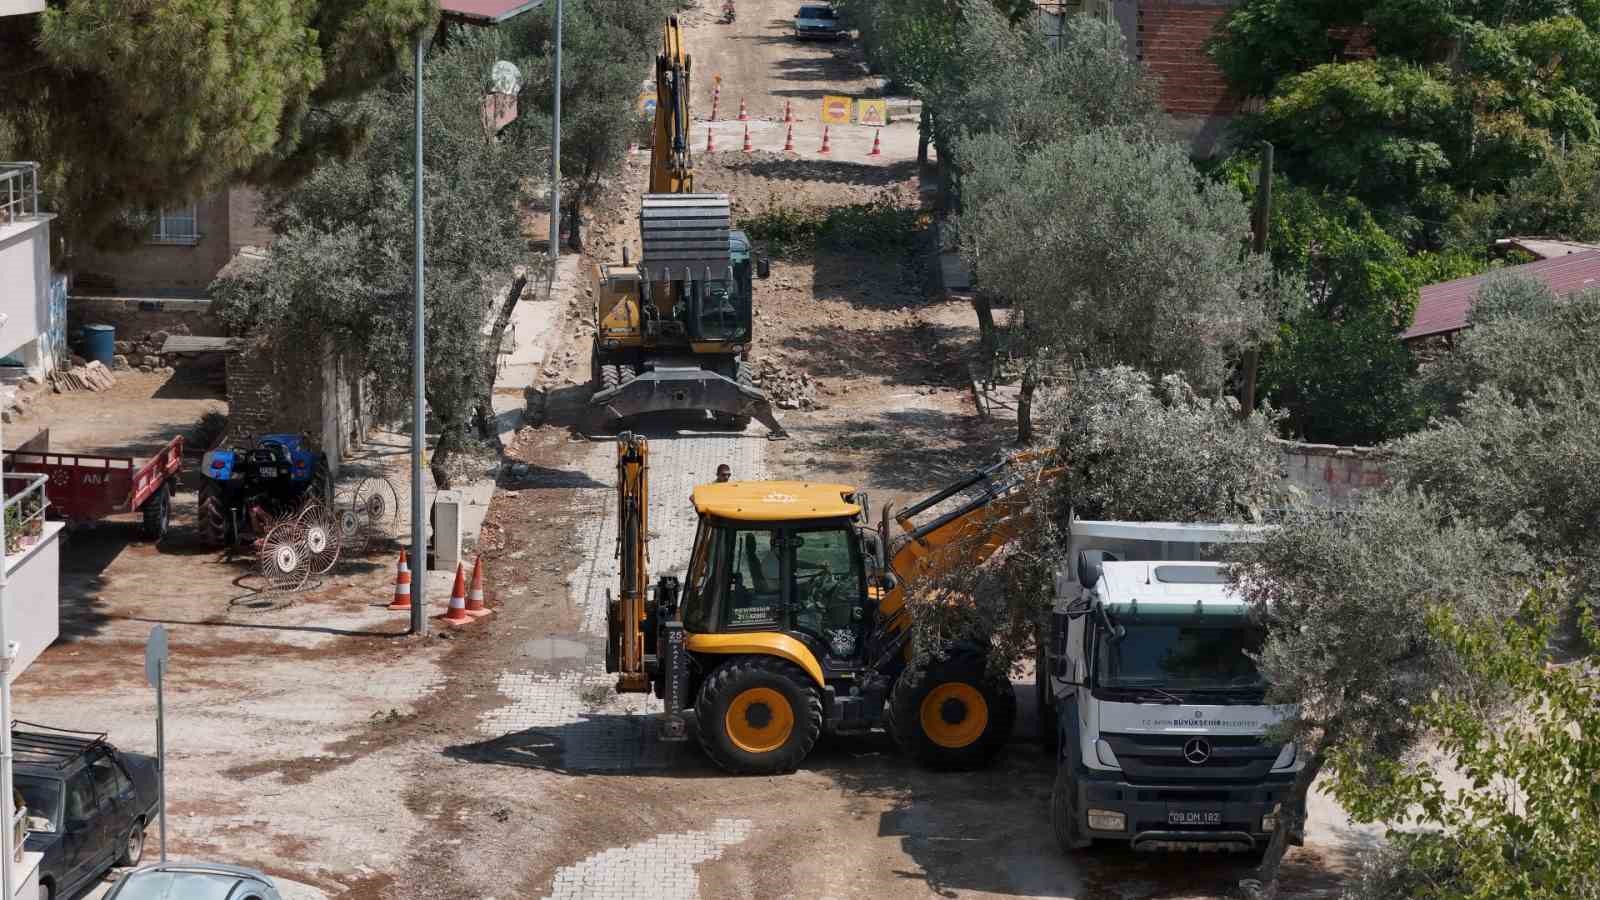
[446, 519]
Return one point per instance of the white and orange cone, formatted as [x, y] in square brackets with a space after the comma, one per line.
[877, 148]
[788, 112]
[711, 143]
[475, 607]
[748, 147]
[825, 148]
[457, 613]
[788, 141]
[743, 116]
[402, 585]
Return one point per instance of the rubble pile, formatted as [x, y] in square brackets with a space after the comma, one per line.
[93, 376]
[143, 352]
[784, 388]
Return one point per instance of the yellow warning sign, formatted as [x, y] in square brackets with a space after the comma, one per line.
[836, 110]
[872, 112]
[647, 105]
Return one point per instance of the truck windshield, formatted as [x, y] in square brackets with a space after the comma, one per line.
[1181, 654]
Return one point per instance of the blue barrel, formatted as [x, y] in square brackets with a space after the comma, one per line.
[99, 343]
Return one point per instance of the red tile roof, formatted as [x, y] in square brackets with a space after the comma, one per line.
[489, 12]
[1444, 306]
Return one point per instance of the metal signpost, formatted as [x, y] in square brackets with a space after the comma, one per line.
[155, 670]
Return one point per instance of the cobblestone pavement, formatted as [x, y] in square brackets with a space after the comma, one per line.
[661, 868]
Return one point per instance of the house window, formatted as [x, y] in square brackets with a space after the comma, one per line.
[177, 226]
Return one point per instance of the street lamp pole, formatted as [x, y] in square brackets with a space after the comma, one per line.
[419, 418]
[555, 157]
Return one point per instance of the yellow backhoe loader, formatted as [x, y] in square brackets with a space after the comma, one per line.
[791, 618]
[673, 332]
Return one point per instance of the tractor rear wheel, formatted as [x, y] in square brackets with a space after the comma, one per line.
[157, 514]
[758, 715]
[951, 713]
[215, 528]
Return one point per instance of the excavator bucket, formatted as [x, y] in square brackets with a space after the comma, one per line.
[685, 387]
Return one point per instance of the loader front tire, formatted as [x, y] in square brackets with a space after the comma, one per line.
[952, 714]
[759, 715]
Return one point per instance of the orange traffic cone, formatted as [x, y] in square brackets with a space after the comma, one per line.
[877, 148]
[475, 607]
[743, 116]
[713, 107]
[825, 148]
[788, 141]
[788, 113]
[747, 147]
[457, 613]
[711, 144]
[402, 585]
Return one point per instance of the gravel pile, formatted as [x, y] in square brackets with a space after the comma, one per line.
[785, 388]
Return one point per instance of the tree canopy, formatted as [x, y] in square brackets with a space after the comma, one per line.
[131, 107]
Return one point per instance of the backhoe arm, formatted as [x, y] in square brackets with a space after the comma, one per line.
[626, 613]
[671, 165]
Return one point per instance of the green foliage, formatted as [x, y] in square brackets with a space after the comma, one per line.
[340, 267]
[1347, 382]
[1528, 828]
[607, 45]
[1115, 252]
[1560, 198]
[1131, 448]
[882, 226]
[138, 106]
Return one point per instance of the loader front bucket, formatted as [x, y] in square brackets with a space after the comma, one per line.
[680, 389]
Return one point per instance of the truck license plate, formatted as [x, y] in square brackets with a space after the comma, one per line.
[1191, 817]
[269, 472]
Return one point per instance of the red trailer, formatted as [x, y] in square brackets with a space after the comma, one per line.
[84, 487]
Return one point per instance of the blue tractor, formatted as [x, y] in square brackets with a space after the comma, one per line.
[273, 477]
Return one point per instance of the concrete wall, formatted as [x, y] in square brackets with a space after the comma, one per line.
[272, 390]
[1333, 475]
[24, 283]
[244, 220]
[162, 270]
[33, 596]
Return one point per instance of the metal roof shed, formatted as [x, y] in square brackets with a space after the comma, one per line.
[1444, 308]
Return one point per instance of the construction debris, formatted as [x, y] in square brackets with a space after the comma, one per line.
[93, 376]
[785, 389]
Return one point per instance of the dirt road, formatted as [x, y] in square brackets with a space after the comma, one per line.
[314, 740]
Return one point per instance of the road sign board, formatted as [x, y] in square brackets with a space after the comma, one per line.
[836, 110]
[155, 653]
[872, 112]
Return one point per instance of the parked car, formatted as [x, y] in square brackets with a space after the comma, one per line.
[193, 881]
[88, 804]
[819, 22]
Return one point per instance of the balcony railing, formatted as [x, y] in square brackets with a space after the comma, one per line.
[25, 506]
[19, 191]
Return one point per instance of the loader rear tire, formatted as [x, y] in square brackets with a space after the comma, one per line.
[952, 714]
[759, 715]
[214, 526]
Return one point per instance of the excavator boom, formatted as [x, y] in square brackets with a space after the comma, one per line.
[626, 613]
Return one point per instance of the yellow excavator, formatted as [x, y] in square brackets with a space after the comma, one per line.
[673, 331]
[791, 618]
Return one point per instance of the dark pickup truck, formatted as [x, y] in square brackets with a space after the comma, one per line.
[88, 804]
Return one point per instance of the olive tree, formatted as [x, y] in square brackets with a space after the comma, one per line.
[1347, 600]
[1123, 446]
[340, 266]
[1113, 251]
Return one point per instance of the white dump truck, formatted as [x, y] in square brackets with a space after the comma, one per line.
[1160, 713]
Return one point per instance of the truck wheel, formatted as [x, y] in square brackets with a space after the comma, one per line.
[321, 487]
[215, 528]
[952, 714]
[758, 715]
[157, 512]
[1064, 812]
[133, 845]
